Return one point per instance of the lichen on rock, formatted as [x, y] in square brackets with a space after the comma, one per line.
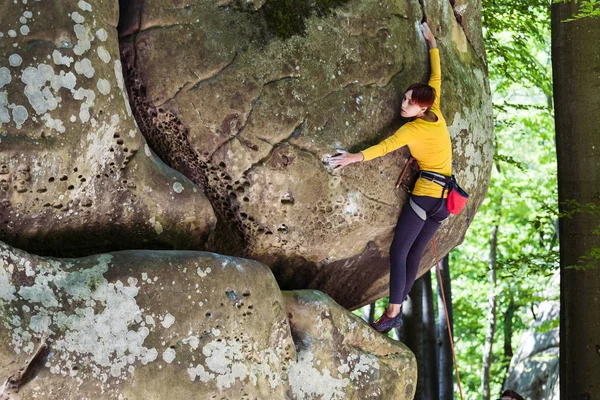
[73, 180]
[142, 324]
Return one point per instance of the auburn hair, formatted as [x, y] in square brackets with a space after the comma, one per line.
[513, 394]
[422, 95]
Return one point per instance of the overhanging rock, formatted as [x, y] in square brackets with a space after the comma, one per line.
[248, 106]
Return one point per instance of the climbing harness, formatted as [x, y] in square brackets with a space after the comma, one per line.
[439, 271]
[457, 197]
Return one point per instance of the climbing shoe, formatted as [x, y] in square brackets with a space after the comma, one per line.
[385, 323]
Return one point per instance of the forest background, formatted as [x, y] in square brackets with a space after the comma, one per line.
[510, 254]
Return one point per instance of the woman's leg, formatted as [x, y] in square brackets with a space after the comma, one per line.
[407, 229]
[415, 254]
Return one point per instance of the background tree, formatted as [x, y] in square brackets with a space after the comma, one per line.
[576, 62]
[445, 359]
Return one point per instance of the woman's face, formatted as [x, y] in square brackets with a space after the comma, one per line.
[409, 109]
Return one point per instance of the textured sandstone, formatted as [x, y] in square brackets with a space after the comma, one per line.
[76, 175]
[340, 357]
[182, 325]
[249, 107]
[144, 325]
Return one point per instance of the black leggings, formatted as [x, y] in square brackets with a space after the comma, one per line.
[410, 238]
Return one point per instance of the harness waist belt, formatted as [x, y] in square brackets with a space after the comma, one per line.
[435, 177]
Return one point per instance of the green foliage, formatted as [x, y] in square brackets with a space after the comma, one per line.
[587, 9]
[514, 32]
[522, 197]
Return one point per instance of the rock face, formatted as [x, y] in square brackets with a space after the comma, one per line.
[76, 175]
[182, 325]
[340, 357]
[534, 369]
[145, 325]
[247, 101]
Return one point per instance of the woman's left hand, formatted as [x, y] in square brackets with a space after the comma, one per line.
[344, 158]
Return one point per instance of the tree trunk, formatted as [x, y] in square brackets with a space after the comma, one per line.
[412, 332]
[429, 340]
[445, 361]
[368, 313]
[576, 69]
[491, 318]
[508, 329]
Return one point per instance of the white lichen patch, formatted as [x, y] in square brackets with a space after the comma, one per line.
[366, 367]
[59, 59]
[77, 18]
[307, 381]
[90, 97]
[225, 359]
[147, 150]
[202, 273]
[200, 373]
[85, 6]
[168, 320]
[40, 97]
[24, 29]
[100, 327]
[83, 39]
[178, 187]
[121, 85]
[101, 34]
[192, 341]
[20, 115]
[15, 60]
[84, 67]
[5, 77]
[477, 150]
[103, 86]
[53, 124]
[4, 115]
[12, 33]
[352, 203]
[7, 290]
[169, 355]
[103, 54]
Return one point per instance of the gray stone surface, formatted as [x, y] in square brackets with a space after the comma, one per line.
[144, 325]
[254, 106]
[341, 357]
[182, 325]
[76, 175]
[534, 369]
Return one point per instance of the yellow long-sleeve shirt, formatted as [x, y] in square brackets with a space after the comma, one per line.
[428, 142]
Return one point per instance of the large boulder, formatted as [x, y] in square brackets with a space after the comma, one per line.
[143, 325]
[534, 369]
[248, 98]
[341, 357]
[76, 175]
[182, 325]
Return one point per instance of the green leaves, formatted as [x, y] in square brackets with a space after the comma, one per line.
[522, 196]
[587, 9]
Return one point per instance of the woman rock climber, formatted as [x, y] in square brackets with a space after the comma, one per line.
[428, 139]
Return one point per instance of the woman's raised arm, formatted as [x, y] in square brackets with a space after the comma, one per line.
[435, 79]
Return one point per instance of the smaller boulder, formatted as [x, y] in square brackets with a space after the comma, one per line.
[340, 357]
